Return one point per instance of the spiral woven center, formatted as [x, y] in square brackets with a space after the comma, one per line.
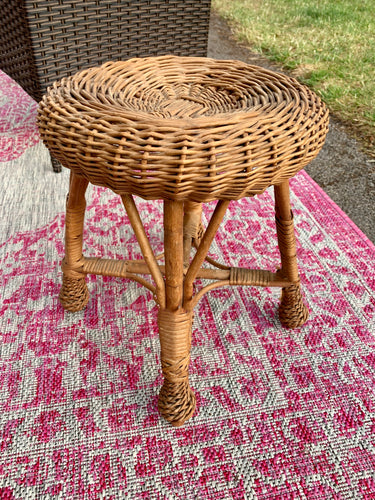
[175, 89]
[190, 101]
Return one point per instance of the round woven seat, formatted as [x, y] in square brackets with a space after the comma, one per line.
[187, 131]
[183, 128]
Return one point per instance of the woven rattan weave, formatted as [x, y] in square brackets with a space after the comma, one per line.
[184, 130]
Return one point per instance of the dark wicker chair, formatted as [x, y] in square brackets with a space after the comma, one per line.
[42, 41]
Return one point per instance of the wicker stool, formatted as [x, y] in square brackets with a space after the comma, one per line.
[187, 131]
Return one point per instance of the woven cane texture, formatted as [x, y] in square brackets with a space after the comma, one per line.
[44, 40]
[183, 128]
[176, 400]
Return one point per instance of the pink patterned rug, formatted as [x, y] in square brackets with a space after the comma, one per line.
[17, 119]
[281, 414]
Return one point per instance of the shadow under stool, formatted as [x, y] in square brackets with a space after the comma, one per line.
[187, 131]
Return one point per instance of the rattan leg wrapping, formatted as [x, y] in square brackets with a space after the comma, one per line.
[292, 312]
[176, 399]
[74, 294]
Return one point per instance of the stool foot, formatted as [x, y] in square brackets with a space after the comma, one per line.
[177, 402]
[74, 294]
[292, 312]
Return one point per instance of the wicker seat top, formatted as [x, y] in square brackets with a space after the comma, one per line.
[183, 128]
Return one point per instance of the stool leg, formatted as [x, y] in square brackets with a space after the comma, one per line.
[74, 294]
[176, 399]
[292, 311]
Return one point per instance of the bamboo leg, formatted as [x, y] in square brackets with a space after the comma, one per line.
[292, 311]
[74, 294]
[176, 399]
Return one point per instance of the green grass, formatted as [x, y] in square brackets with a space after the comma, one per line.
[327, 44]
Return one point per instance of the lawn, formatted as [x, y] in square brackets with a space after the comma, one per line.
[327, 44]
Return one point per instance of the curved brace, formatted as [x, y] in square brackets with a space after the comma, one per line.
[202, 250]
[144, 243]
[116, 268]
